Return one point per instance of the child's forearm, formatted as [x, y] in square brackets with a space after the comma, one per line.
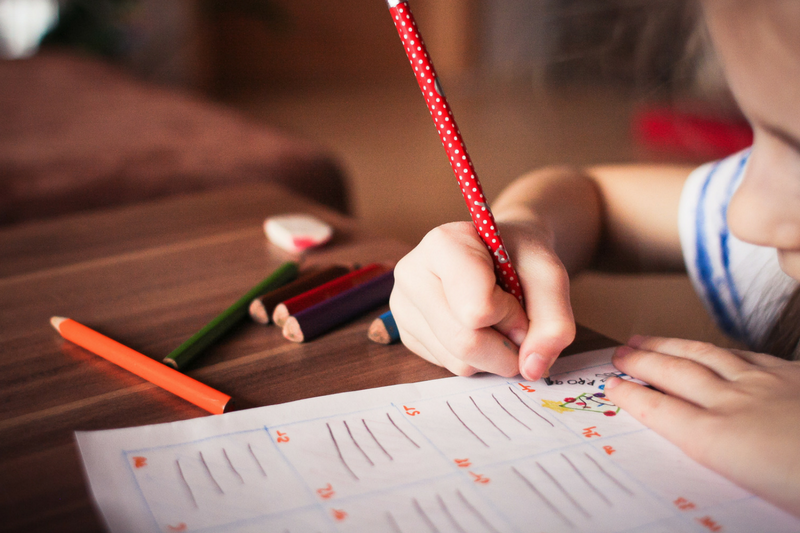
[622, 218]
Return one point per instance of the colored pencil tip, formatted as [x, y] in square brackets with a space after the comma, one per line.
[170, 362]
[56, 322]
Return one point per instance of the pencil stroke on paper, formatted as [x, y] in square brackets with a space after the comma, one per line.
[357, 445]
[489, 419]
[523, 402]
[560, 487]
[401, 431]
[465, 425]
[339, 452]
[523, 424]
[258, 463]
[185, 483]
[210, 475]
[376, 440]
[586, 481]
[424, 516]
[477, 514]
[233, 468]
[609, 476]
[449, 515]
[392, 522]
[542, 497]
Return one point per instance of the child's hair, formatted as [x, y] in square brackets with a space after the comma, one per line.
[783, 340]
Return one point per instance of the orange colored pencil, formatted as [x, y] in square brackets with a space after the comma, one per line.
[153, 371]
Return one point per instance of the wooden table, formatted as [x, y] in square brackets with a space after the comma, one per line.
[150, 276]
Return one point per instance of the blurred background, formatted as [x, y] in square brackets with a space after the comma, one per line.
[531, 82]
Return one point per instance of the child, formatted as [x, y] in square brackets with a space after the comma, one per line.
[736, 226]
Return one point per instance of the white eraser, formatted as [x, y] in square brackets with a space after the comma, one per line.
[297, 232]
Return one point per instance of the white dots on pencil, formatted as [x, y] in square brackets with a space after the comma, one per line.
[474, 189]
[420, 61]
[494, 241]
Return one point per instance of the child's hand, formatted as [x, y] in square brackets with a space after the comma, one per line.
[450, 310]
[735, 412]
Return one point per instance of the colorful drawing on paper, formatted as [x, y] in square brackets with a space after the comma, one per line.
[595, 402]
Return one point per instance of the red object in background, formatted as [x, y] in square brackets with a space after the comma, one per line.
[453, 144]
[691, 134]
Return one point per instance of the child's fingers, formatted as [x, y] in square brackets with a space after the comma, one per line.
[551, 323]
[676, 376]
[458, 258]
[721, 361]
[760, 359]
[414, 344]
[460, 349]
[672, 418]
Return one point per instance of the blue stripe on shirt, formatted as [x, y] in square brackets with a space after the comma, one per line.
[705, 269]
[724, 234]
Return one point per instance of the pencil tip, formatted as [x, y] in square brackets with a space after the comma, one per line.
[56, 322]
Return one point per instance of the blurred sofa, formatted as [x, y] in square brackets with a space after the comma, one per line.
[77, 133]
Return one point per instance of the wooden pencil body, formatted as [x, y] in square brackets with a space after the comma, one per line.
[261, 308]
[318, 319]
[161, 375]
[181, 356]
[327, 290]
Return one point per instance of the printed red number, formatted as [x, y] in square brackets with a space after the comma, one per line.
[609, 450]
[709, 524]
[526, 388]
[410, 411]
[463, 463]
[139, 462]
[179, 527]
[478, 478]
[326, 492]
[282, 437]
[590, 432]
[338, 514]
[683, 504]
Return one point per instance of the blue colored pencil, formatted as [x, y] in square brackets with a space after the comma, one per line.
[383, 329]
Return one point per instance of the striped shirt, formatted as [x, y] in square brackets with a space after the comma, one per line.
[741, 285]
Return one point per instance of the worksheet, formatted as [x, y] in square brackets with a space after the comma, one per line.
[484, 454]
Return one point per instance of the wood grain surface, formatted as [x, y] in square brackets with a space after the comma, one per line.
[150, 276]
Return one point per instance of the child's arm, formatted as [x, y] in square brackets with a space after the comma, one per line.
[448, 307]
[732, 411]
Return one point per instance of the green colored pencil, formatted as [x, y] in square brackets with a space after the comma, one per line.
[186, 352]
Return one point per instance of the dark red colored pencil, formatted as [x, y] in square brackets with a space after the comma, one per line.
[318, 319]
[262, 307]
[323, 292]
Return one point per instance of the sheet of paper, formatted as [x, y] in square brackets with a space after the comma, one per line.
[483, 455]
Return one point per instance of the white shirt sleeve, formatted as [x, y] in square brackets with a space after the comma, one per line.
[741, 285]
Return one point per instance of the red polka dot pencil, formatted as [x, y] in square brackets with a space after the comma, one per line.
[454, 145]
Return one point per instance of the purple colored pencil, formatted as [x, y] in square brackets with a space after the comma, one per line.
[328, 314]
